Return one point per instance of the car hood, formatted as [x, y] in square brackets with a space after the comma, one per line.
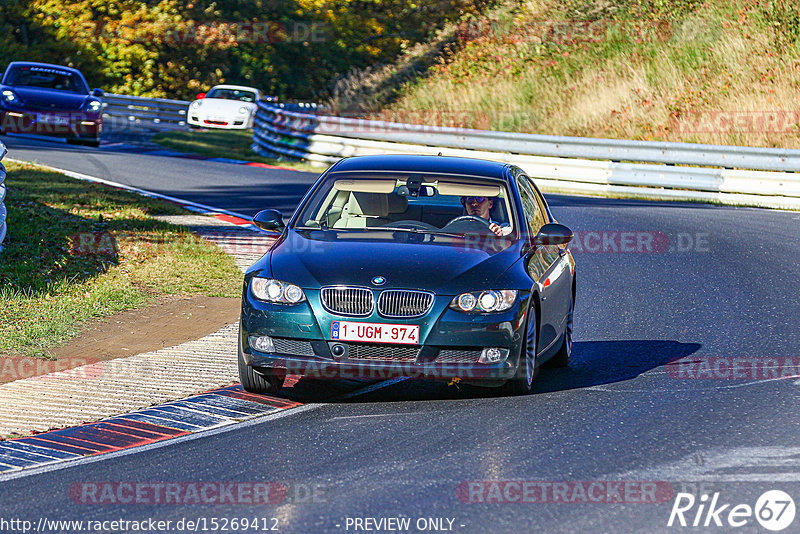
[445, 265]
[48, 99]
[221, 105]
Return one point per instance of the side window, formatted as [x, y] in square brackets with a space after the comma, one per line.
[533, 212]
[540, 200]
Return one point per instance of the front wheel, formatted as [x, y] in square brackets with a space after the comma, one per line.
[267, 381]
[522, 383]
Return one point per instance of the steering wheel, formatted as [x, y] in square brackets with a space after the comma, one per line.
[467, 220]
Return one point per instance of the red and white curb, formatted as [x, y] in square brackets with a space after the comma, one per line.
[215, 408]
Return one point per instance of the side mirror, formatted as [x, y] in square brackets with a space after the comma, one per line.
[553, 234]
[269, 220]
[99, 93]
[201, 96]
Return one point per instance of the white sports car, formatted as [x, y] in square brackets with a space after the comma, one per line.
[225, 106]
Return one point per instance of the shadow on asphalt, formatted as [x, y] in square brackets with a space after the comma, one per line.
[593, 363]
[604, 362]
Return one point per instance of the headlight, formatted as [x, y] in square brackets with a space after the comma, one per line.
[276, 291]
[242, 110]
[485, 301]
[196, 104]
[9, 96]
[94, 105]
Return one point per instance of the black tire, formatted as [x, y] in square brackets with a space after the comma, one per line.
[522, 382]
[562, 357]
[263, 382]
[93, 143]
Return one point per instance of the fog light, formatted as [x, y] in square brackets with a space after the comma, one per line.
[262, 343]
[493, 355]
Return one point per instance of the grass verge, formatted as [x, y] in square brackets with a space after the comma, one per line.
[233, 144]
[716, 71]
[77, 250]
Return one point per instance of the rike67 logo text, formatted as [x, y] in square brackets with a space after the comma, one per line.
[774, 510]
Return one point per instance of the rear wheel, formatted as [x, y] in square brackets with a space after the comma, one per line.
[562, 357]
[265, 381]
[522, 382]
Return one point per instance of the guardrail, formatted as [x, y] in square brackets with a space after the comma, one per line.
[139, 112]
[559, 164]
[3, 213]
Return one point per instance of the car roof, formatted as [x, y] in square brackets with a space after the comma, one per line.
[420, 163]
[225, 86]
[39, 64]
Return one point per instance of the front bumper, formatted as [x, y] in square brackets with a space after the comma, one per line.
[224, 123]
[450, 343]
[72, 125]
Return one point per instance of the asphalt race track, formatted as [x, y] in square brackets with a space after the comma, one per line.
[657, 282]
[224, 186]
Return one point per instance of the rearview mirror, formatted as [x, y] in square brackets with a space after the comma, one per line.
[553, 234]
[269, 220]
[99, 93]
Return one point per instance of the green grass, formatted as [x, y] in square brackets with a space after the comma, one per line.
[233, 144]
[77, 250]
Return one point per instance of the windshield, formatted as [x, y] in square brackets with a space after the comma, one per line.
[414, 203]
[232, 94]
[46, 78]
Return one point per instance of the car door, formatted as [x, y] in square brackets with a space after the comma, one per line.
[539, 263]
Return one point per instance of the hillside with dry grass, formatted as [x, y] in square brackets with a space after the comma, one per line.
[723, 72]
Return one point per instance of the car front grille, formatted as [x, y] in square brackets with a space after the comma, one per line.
[404, 303]
[458, 356]
[295, 347]
[354, 301]
[395, 353]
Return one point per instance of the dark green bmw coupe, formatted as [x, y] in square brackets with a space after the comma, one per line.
[418, 266]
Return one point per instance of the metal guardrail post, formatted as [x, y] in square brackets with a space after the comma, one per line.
[3, 212]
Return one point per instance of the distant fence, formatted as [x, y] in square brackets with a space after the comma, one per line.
[139, 112]
[727, 174]
[3, 212]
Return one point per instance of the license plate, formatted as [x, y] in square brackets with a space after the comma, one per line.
[53, 119]
[375, 332]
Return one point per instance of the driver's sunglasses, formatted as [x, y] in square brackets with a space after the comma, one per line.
[469, 200]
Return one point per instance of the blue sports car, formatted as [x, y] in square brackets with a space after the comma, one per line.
[52, 100]
[419, 266]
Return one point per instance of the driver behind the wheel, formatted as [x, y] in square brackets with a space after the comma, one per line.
[482, 207]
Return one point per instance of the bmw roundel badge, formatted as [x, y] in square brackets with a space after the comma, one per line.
[379, 280]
